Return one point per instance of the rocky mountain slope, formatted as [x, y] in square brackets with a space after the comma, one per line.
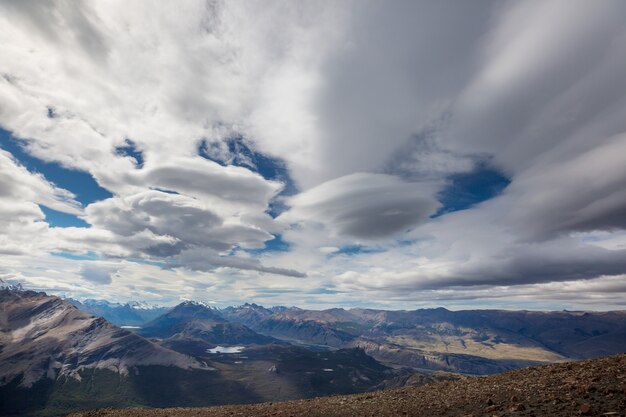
[43, 336]
[589, 388]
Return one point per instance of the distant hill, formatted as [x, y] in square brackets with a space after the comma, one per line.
[471, 341]
[589, 388]
[296, 325]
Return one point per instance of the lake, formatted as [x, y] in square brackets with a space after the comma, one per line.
[226, 349]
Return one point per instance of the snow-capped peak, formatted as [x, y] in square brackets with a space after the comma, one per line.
[99, 303]
[198, 303]
[4, 285]
[142, 305]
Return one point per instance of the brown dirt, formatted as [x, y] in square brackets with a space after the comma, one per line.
[591, 388]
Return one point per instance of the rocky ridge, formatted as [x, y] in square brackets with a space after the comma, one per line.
[43, 336]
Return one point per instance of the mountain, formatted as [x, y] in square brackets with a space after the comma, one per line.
[309, 327]
[195, 322]
[471, 341]
[249, 313]
[55, 358]
[177, 318]
[43, 336]
[589, 388]
[134, 313]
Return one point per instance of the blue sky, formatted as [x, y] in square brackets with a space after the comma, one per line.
[321, 154]
[80, 183]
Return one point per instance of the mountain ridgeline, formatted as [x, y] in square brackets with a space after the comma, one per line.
[193, 328]
[470, 341]
[128, 314]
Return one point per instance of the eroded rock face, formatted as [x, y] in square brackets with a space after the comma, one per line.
[44, 336]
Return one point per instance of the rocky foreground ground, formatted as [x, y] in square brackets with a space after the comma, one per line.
[590, 388]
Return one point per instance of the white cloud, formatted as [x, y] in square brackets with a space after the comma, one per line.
[364, 206]
[17, 183]
[206, 260]
[96, 274]
[22, 225]
[183, 219]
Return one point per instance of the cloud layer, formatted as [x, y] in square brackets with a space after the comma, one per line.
[368, 110]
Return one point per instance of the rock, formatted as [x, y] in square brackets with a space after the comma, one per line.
[585, 409]
[517, 407]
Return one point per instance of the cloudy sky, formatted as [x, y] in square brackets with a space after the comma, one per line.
[342, 153]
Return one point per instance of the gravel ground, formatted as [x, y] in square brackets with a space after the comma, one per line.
[592, 388]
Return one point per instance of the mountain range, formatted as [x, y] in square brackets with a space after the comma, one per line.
[469, 341]
[193, 328]
[57, 356]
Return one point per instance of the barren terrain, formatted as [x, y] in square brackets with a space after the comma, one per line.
[594, 387]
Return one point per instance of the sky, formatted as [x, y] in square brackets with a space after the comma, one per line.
[398, 155]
